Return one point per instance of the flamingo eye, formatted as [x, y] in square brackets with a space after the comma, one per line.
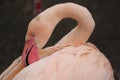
[33, 34]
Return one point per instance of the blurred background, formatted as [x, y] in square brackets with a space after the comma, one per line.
[15, 16]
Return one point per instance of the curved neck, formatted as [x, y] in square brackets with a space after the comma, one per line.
[56, 13]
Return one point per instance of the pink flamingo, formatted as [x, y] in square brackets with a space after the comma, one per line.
[71, 58]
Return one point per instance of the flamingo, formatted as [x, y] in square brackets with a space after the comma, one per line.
[72, 58]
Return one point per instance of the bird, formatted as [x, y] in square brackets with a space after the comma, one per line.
[71, 58]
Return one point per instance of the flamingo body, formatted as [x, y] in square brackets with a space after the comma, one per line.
[70, 63]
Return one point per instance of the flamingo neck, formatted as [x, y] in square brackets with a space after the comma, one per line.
[43, 25]
[55, 14]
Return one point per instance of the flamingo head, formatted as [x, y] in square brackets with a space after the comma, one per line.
[36, 37]
[30, 52]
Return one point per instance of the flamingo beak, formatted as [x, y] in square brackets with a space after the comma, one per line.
[30, 52]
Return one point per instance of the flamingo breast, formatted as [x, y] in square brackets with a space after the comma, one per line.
[70, 63]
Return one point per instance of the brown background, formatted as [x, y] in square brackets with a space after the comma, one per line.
[16, 14]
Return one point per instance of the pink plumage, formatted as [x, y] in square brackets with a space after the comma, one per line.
[72, 58]
[71, 63]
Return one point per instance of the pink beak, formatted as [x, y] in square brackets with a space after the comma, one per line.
[30, 52]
